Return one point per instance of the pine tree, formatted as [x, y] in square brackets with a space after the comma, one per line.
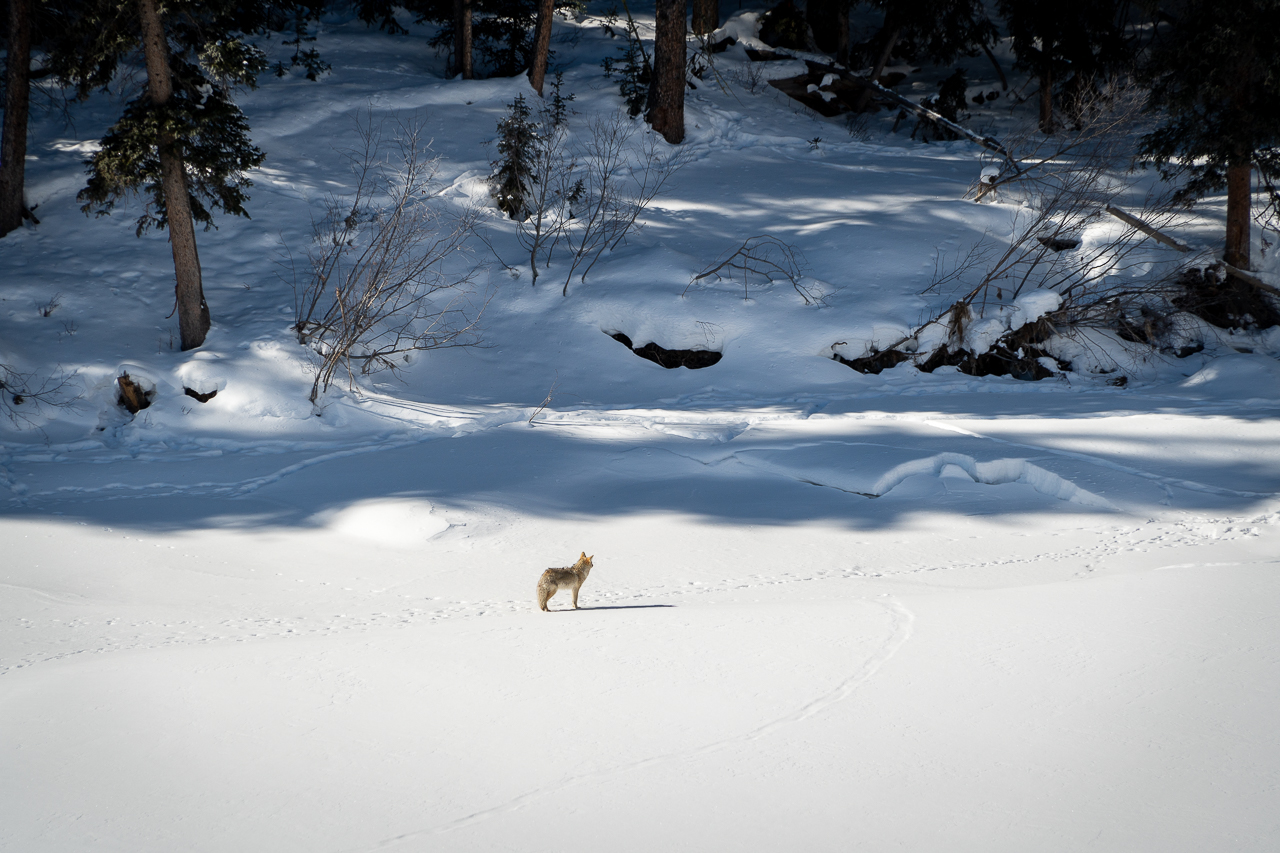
[1068, 46]
[541, 44]
[13, 141]
[513, 176]
[182, 142]
[633, 71]
[706, 16]
[56, 31]
[1216, 77]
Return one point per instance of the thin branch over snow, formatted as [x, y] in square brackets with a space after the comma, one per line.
[767, 258]
[379, 288]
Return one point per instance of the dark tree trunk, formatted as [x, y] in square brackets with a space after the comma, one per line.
[193, 312]
[666, 92]
[822, 15]
[1239, 219]
[995, 63]
[891, 40]
[1046, 99]
[13, 143]
[842, 32]
[706, 16]
[462, 38]
[541, 44]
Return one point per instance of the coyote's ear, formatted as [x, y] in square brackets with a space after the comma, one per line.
[584, 556]
[589, 559]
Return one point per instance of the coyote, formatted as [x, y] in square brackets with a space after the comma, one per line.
[570, 577]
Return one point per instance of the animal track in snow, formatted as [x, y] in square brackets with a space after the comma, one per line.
[901, 622]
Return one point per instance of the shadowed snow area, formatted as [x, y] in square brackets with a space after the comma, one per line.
[828, 611]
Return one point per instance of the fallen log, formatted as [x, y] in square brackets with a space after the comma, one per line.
[1160, 237]
[1149, 230]
[988, 142]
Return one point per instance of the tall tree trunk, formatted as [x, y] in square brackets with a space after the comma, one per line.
[1239, 210]
[1046, 98]
[541, 44]
[193, 312]
[462, 38]
[821, 17]
[829, 22]
[666, 92]
[891, 40]
[995, 63]
[706, 16]
[13, 143]
[842, 32]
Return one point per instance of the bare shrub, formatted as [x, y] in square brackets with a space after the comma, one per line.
[859, 126]
[750, 77]
[379, 287]
[587, 196]
[1064, 185]
[550, 195]
[608, 187]
[550, 202]
[763, 260]
[23, 396]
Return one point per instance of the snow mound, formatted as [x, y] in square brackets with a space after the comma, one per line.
[982, 334]
[994, 473]
[1033, 305]
[202, 373]
[394, 522]
[1239, 376]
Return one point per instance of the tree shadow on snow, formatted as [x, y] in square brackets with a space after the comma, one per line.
[861, 475]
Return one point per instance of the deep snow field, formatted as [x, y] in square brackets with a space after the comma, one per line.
[829, 611]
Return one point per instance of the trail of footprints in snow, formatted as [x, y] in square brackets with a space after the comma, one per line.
[192, 633]
[900, 629]
[1155, 535]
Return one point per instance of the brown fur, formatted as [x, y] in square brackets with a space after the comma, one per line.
[570, 578]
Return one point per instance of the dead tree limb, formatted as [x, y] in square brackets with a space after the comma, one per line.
[1161, 237]
[769, 259]
[1252, 279]
[990, 143]
[1150, 231]
[1004, 81]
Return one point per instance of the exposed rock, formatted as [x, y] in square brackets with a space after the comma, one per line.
[200, 398]
[875, 362]
[694, 359]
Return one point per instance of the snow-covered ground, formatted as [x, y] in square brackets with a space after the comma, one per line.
[829, 611]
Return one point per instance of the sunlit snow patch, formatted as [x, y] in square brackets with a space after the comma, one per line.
[396, 522]
[1239, 376]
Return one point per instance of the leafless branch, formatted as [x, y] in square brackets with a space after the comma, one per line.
[768, 260]
[24, 395]
[611, 188]
[379, 287]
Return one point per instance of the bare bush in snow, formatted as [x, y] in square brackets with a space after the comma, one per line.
[586, 197]
[24, 395]
[381, 286]
[609, 187]
[1067, 265]
[762, 260]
